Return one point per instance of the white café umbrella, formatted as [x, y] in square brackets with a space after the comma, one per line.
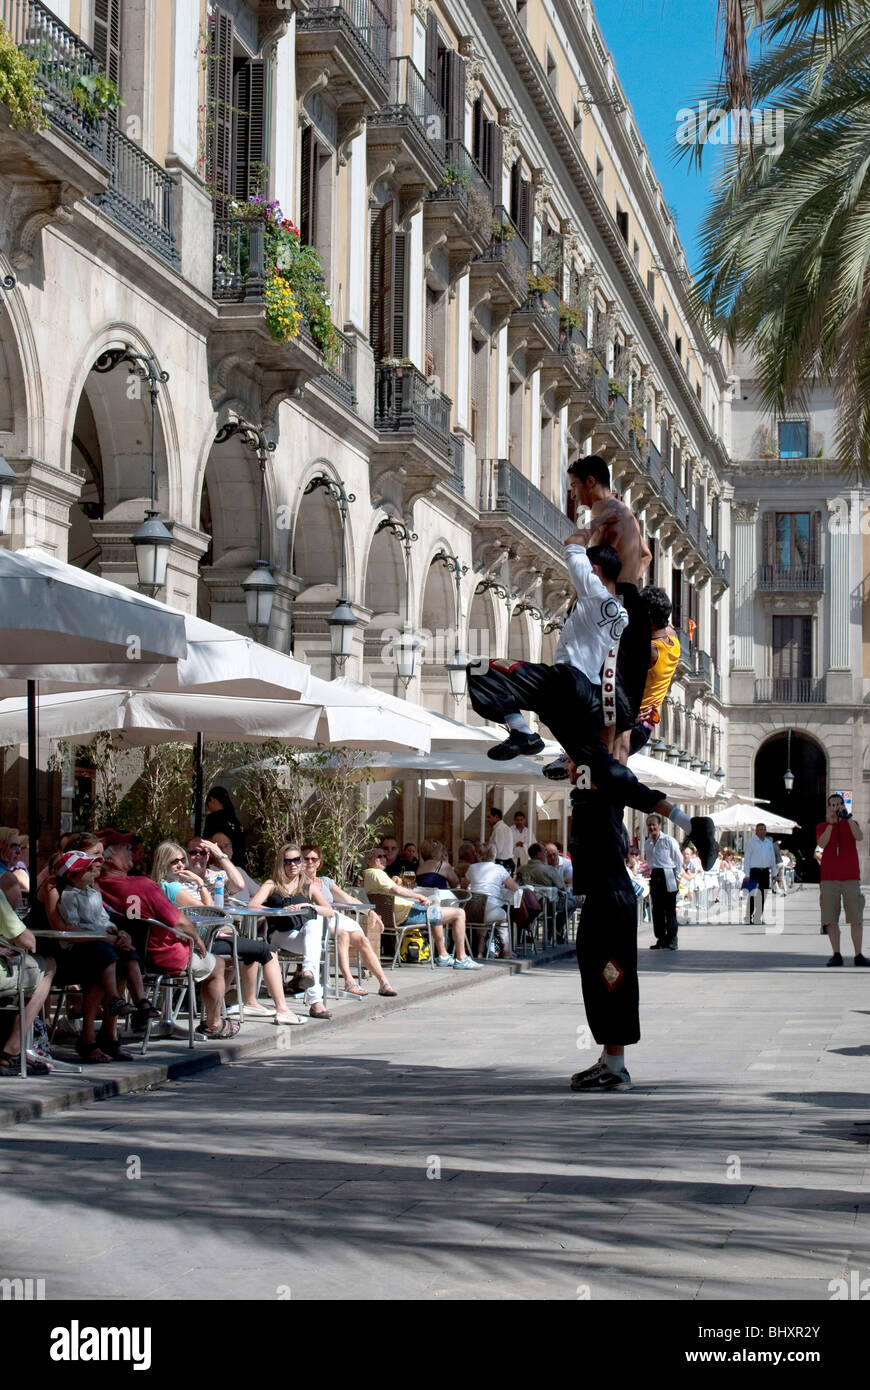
[446, 732]
[145, 717]
[60, 623]
[742, 816]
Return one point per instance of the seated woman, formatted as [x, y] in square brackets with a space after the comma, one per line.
[289, 887]
[412, 908]
[12, 857]
[435, 870]
[348, 930]
[38, 977]
[183, 887]
[485, 876]
[77, 963]
[239, 884]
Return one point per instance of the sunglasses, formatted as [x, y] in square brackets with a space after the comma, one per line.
[179, 860]
[289, 862]
[197, 853]
[379, 856]
[310, 858]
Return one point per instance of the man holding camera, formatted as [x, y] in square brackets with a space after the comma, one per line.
[838, 836]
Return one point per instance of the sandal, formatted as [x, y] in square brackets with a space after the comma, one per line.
[113, 1049]
[10, 1065]
[91, 1053]
[298, 983]
[145, 1010]
[355, 989]
[288, 1018]
[227, 1028]
[323, 1013]
[120, 1008]
[387, 991]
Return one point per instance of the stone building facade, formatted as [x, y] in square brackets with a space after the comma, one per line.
[507, 284]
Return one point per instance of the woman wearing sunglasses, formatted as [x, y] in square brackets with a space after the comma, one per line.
[289, 887]
[348, 930]
[186, 889]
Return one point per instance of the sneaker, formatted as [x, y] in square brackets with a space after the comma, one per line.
[467, 964]
[444, 960]
[580, 1077]
[656, 946]
[557, 771]
[836, 959]
[604, 1080]
[670, 946]
[703, 837]
[861, 960]
[515, 746]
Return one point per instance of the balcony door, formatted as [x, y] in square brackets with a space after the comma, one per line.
[236, 142]
[388, 300]
[791, 540]
[792, 648]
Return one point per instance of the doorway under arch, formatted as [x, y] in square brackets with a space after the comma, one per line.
[805, 803]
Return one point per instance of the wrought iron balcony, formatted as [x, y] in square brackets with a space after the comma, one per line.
[681, 511]
[791, 579]
[693, 525]
[339, 375]
[504, 490]
[723, 567]
[536, 321]
[459, 210]
[703, 668]
[654, 467]
[139, 195]
[790, 690]
[405, 400]
[687, 650]
[350, 41]
[500, 273]
[717, 685]
[62, 61]
[457, 482]
[405, 140]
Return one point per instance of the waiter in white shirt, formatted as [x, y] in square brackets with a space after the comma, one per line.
[665, 860]
[759, 862]
[522, 839]
[501, 837]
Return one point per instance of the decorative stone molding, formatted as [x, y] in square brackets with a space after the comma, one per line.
[32, 207]
[510, 132]
[543, 190]
[474, 63]
[421, 9]
[745, 513]
[351, 123]
[570, 236]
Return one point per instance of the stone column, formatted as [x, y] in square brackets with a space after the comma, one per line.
[284, 122]
[357, 217]
[462, 342]
[416, 294]
[841, 521]
[184, 101]
[535, 429]
[744, 516]
[39, 518]
[502, 408]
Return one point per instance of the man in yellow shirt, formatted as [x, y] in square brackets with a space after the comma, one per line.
[664, 656]
[412, 908]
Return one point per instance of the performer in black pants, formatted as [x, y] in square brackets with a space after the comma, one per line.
[606, 942]
[665, 860]
[663, 904]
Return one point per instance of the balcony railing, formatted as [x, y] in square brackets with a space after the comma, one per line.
[404, 399]
[361, 19]
[717, 685]
[571, 338]
[503, 488]
[461, 175]
[545, 305]
[239, 260]
[600, 380]
[139, 195]
[793, 579]
[619, 412]
[507, 241]
[723, 566]
[790, 690]
[693, 524]
[339, 375]
[668, 491]
[687, 651]
[703, 667]
[681, 511]
[62, 60]
[457, 482]
[654, 467]
[411, 99]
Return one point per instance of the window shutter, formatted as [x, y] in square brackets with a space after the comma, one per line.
[220, 100]
[432, 50]
[815, 538]
[514, 208]
[525, 210]
[309, 162]
[249, 127]
[381, 308]
[493, 157]
[399, 294]
[452, 93]
[768, 538]
[107, 37]
[477, 132]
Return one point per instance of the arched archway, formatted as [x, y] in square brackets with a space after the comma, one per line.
[384, 596]
[806, 802]
[482, 635]
[111, 450]
[229, 511]
[438, 621]
[518, 638]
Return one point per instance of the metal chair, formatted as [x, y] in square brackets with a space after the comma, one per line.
[383, 906]
[475, 919]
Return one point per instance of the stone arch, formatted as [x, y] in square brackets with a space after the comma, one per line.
[384, 587]
[438, 619]
[806, 802]
[316, 537]
[482, 635]
[519, 637]
[22, 408]
[107, 442]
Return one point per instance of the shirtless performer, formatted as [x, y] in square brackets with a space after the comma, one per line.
[613, 523]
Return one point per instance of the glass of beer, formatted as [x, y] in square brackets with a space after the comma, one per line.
[408, 879]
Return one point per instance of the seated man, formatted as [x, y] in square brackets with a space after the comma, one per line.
[38, 975]
[538, 873]
[410, 908]
[135, 896]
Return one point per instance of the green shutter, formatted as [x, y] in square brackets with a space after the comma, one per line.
[107, 37]
[220, 111]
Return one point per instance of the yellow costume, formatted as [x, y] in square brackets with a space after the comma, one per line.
[659, 677]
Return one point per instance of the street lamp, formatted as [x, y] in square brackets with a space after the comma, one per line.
[673, 754]
[260, 586]
[405, 648]
[705, 768]
[341, 621]
[8, 483]
[684, 760]
[788, 778]
[152, 540]
[719, 774]
[457, 667]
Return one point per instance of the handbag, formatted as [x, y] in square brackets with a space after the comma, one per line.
[749, 885]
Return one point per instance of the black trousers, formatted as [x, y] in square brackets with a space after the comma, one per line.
[664, 908]
[762, 878]
[607, 934]
[570, 705]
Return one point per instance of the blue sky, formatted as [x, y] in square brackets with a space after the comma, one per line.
[666, 54]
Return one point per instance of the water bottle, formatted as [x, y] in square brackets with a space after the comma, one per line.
[218, 893]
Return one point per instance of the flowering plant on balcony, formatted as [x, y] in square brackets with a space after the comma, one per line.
[19, 89]
[540, 284]
[96, 94]
[295, 287]
[570, 316]
[501, 231]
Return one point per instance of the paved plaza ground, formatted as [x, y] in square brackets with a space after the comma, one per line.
[435, 1151]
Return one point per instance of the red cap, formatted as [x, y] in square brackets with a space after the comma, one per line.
[74, 862]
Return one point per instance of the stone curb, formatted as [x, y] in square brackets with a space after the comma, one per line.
[141, 1075]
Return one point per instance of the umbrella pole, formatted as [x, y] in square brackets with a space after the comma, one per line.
[197, 785]
[32, 791]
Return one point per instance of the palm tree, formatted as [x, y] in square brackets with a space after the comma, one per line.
[786, 243]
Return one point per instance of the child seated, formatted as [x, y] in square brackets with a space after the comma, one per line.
[81, 907]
